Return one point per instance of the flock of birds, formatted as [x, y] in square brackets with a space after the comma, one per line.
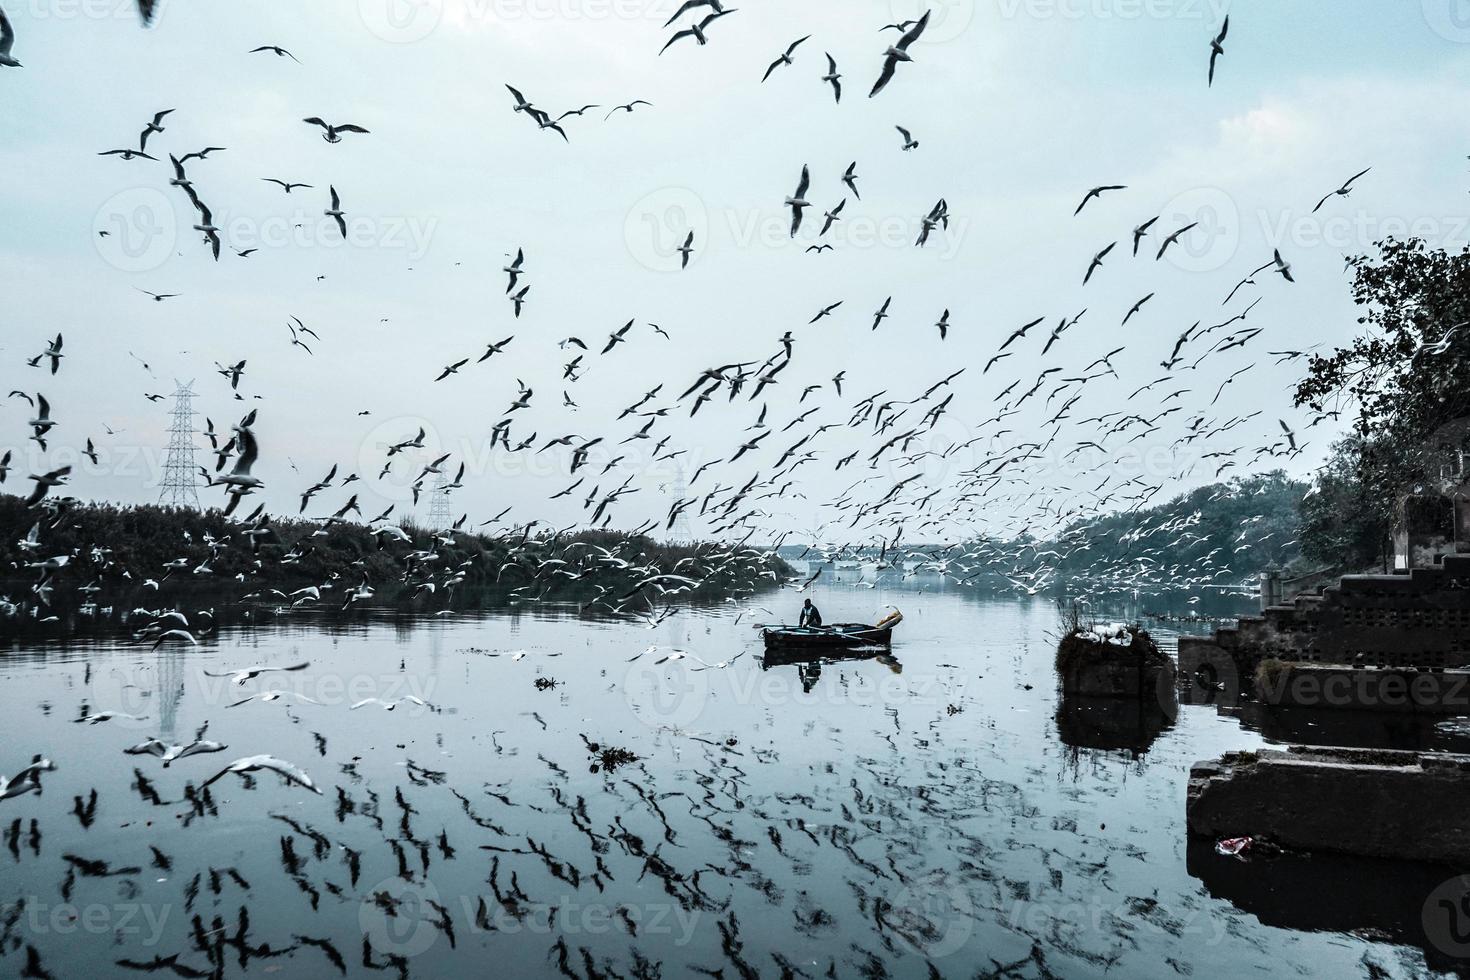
[913, 481]
[1034, 420]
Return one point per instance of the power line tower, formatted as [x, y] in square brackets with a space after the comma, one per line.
[439, 519]
[180, 472]
[681, 533]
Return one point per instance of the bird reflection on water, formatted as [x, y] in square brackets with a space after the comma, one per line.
[809, 665]
[909, 813]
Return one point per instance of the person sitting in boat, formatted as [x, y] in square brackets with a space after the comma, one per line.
[810, 615]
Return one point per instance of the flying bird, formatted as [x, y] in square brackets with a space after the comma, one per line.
[1343, 191]
[240, 675]
[514, 269]
[689, 5]
[943, 325]
[1097, 260]
[899, 52]
[798, 201]
[882, 313]
[1141, 231]
[7, 41]
[833, 78]
[285, 185]
[627, 107]
[254, 763]
[155, 126]
[44, 483]
[1217, 46]
[831, 216]
[1098, 192]
[696, 31]
[276, 50]
[335, 211]
[1174, 238]
[1283, 267]
[333, 133]
[785, 58]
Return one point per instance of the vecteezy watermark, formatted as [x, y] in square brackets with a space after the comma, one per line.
[138, 230]
[568, 917]
[1202, 10]
[396, 451]
[406, 918]
[1368, 689]
[410, 234]
[935, 916]
[657, 229]
[127, 691]
[117, 461]
[494, 454]
[659, 224]
[675, 693]
[407, 21]
[130, 919]
[1450, 19]
[1446, 917]
[135, 230]
[1210, 677]
[401, 21]
[325, 688]
[401, 917]
[665, 695]
[1071, 920]
[1359, 230]
[1213, 235]
[948, 19]
[85, 10]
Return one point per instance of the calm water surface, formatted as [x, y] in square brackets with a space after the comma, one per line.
[933, 813]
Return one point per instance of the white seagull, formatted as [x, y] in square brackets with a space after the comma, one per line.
[254, 763]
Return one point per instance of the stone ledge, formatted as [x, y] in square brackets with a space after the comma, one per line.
[1372, 802]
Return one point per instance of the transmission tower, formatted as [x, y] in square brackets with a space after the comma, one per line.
[180, 472]
[681, 533]
[439, 518]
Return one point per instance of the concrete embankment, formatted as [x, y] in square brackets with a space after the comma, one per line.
[1376, 803]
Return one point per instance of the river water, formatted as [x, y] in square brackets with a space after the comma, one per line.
[934, 813]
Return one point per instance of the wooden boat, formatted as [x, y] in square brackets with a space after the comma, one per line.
[840, 635]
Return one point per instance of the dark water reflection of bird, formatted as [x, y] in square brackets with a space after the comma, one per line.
[869, 814]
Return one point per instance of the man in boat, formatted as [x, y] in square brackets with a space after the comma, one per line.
[810, 615]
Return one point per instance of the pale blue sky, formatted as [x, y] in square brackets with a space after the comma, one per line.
[1019, 107]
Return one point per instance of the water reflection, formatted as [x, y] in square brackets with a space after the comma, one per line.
[808, 663]
[856, 813]
[1118, 724]
[1373, 899]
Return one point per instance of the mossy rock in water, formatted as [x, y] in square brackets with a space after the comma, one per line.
[1122, 662]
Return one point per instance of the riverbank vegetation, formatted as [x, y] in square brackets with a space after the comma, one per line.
[103, 552]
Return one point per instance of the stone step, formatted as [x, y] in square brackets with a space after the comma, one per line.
[1376, 803]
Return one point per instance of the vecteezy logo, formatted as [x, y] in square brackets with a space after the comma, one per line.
[665, 695]
[660, 222]
[948, 19]
[382, 445]
[934, 917]
[133, 694]
[401, 21]
[399, 916]
[1446, 917]
[135, 229]
[1213, 221]
[1450, 19]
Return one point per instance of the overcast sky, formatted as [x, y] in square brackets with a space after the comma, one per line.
[1019, 107]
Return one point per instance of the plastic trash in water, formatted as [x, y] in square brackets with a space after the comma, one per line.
[1234, 846]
